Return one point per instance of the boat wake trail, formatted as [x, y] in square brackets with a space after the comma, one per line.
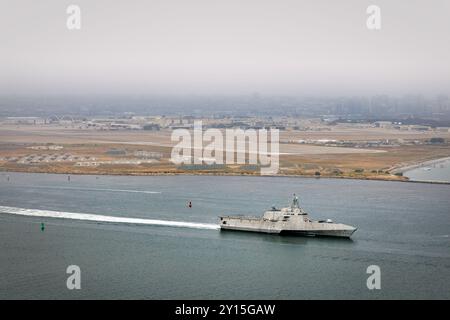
[107, 219]
[100, 189]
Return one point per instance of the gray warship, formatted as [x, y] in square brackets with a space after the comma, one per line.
[292, 220]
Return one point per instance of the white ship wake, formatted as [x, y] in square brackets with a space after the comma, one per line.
[103, 218]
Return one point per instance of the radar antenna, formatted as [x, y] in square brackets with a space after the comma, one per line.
[295, 202]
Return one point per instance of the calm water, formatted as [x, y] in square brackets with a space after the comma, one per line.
[403, 227]
[434, 172]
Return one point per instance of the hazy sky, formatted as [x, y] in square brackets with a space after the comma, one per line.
[225, 46]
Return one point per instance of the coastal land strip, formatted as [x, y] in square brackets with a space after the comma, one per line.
[68, 150]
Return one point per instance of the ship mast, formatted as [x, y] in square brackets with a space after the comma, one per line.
[295, 204]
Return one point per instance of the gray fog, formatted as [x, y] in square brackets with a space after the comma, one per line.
[320, 47]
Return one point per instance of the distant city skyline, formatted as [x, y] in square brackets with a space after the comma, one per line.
[210, 47]
[436, 108]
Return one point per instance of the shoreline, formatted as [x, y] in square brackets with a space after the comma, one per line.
[233, 175]
[402, 169]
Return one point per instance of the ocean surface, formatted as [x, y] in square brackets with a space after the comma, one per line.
[139, 239]
[439, 171]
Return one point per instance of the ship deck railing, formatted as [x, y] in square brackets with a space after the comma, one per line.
[241, 217]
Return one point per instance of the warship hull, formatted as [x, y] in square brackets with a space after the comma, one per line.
[306, 229]
[319, 233]
[291, 220]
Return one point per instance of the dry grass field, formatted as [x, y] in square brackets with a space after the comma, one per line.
[295, 159]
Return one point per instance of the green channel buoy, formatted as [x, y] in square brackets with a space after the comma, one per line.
[42, 226]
